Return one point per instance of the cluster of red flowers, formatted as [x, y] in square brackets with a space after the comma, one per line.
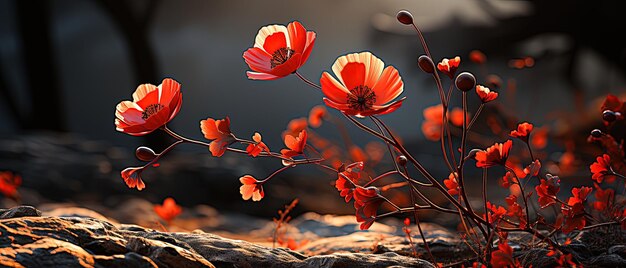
[362, 85]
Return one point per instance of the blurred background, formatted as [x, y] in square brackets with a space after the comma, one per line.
[65, 64]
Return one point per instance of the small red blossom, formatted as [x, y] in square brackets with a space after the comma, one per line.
[259, 146]
[9, 182]
[565, 260]
[452, 184]
[516, 210]
[433, 122]
[496, 212]
[295, 145]
[522, 132]
[449, 66]
[251, 188]
[363, 88]
[132, 178]
[477, 57]
[503, 257]
[497, 154]
[539, 140]
[366, 201]
[574, 212]
[152, 107]
[604, 198]
[600, 168]
[279, 51]
[169, 210]
[456, 116]
[295, 126]
[485, 94]
[533, 168]
[317, 115]
[506, 180]
[219, 132]
[348, 179]
[547, 190]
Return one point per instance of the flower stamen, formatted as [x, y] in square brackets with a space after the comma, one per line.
[281, 56]
[361, 98]
[151, 110]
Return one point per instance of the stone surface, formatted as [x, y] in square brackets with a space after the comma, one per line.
[81, 241]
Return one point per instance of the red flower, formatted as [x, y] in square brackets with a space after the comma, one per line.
[497, 212]
[132, 178]
[279, 51]
[547, 190]
[452, 184]
[485, 94]
[169, 210]
[523, 131]
[478, 57]
[503, 257]
[316, 116]
[449, 66]
[456, 116]
[353, 173]
[219, 132]
[433, 121]
[506, 180]
[9, 183]
[604, 198]
[152, 107]
[600, 168]
[574, 212]
[366, 201]
[255, 149]
[295, 145]
[251, 188]
[516, 210]
[364, 88]
[565, 260]
[295, 126]
[494, 155]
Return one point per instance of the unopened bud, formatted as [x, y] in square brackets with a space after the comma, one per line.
[596, 133]
[405, 17]
[465, 81]
[609, 116]
[426, 64]
[401, 160]
[144, 153]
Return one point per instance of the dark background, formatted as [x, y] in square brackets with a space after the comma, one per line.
[65, 64]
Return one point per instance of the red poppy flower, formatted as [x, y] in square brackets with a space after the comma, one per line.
[295, 144]
[132, 178]
[604, 198]
[353, 173]
[478, 57]
[433, 122]
[295, 126]
[255, 149]
[452, 184]
[316, 116]
[485, 94]
[449, 66]
[503, 257]
[251, 188]
[364, 88]
[600, 168]
[219, 132]
[9, 182]
[494, 155]
[366, 201]
[522, 132]
[169, 210]
[547, 190]
[152, 107]
[279, 51]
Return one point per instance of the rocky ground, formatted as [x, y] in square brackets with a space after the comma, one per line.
[63, 236]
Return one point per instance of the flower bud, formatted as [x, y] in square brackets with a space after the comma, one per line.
[401, 160]
[144, 153]
[465, 81]
[609, 116]
[596, 133]
[426, 64]
[405, 17]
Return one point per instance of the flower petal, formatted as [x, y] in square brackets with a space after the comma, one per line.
[297, 36]
[332, 89]
[258, 60]
[389, 86]
[267, 31]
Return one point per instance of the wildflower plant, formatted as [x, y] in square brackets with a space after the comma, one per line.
[362, 88]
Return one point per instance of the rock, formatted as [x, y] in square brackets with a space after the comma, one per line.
[607, 260]
[52, 241]
[21, 211]
[619, 250]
